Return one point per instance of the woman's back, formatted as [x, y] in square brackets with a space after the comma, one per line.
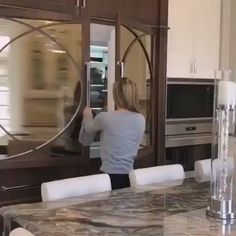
[122, 132]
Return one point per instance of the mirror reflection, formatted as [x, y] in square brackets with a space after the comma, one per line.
[40, 81]
[136, 68]
[102, 67]
[40, 84]
[101, 74]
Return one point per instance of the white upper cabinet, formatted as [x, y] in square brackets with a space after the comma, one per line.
[193, 38]
[207, 38]
[180, 38]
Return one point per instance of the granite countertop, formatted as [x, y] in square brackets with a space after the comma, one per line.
[150, 210]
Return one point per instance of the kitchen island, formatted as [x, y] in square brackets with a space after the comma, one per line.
[168, 209]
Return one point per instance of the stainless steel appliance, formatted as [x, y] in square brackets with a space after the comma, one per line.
[187, 133]
[189, 112]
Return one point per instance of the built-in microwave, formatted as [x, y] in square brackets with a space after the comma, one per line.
[189, 112]
[190, 99]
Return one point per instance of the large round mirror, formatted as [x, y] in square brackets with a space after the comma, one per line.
[40, 86]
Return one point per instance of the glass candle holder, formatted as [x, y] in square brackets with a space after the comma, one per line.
[222, 200]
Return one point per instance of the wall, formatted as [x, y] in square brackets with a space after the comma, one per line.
[17, 75]
[228, 35]
[232, 50]
[134, 66]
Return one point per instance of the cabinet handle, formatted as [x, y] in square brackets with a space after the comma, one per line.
[84, 4]
[121, 64]
[18, 187]
[191, 66]
[77, 3]
[195, 66]
[88, 84]
[121, 67]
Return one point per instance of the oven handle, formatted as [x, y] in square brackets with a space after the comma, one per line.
[186, 138]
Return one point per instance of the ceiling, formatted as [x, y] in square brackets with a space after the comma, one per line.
[100, 34]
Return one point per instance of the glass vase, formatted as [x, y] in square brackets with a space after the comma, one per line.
[222, 192]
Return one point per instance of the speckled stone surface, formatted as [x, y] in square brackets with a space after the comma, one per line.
[150, 210]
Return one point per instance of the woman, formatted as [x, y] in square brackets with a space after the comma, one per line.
[121, 132]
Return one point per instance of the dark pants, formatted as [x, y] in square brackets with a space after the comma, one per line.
[119, 181]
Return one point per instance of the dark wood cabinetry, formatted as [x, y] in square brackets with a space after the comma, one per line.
[187, 155]
[67, 6]
[129, 8]
[24, 185]
[143, 11]
[107, 9]
[29, 173]
[147, 11]
[21, 178]
[40, 9]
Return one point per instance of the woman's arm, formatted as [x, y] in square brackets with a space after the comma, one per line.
[85, 138]
[92, 125]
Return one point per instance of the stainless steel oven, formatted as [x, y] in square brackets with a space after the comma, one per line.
[188, 132]
[189, 112]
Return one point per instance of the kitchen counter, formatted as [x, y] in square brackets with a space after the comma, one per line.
[165, 209]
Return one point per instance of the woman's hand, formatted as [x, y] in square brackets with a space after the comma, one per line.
[87, 113]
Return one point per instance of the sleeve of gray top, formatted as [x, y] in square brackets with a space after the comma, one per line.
[94, 125]
[85, 138]
[142, 127]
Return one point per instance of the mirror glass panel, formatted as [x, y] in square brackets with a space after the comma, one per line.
[40, 84]
[135, 51]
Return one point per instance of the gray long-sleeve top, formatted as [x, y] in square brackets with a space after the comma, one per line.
[121, 134]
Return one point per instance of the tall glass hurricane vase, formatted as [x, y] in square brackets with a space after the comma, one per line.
[222, 201]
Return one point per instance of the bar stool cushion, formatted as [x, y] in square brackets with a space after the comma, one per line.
[74, 187]
[158, 174]
[202, 170]
[20, 232]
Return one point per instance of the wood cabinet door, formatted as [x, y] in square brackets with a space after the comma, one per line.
[45, 80]
[139, 46]
[128, 9]
[136, 62]
[206, 38]
[143, 11]
[148, 11]
[180, 39]
[67, 6]
[101, 8]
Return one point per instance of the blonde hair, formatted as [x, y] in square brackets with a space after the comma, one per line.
[125, 94]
